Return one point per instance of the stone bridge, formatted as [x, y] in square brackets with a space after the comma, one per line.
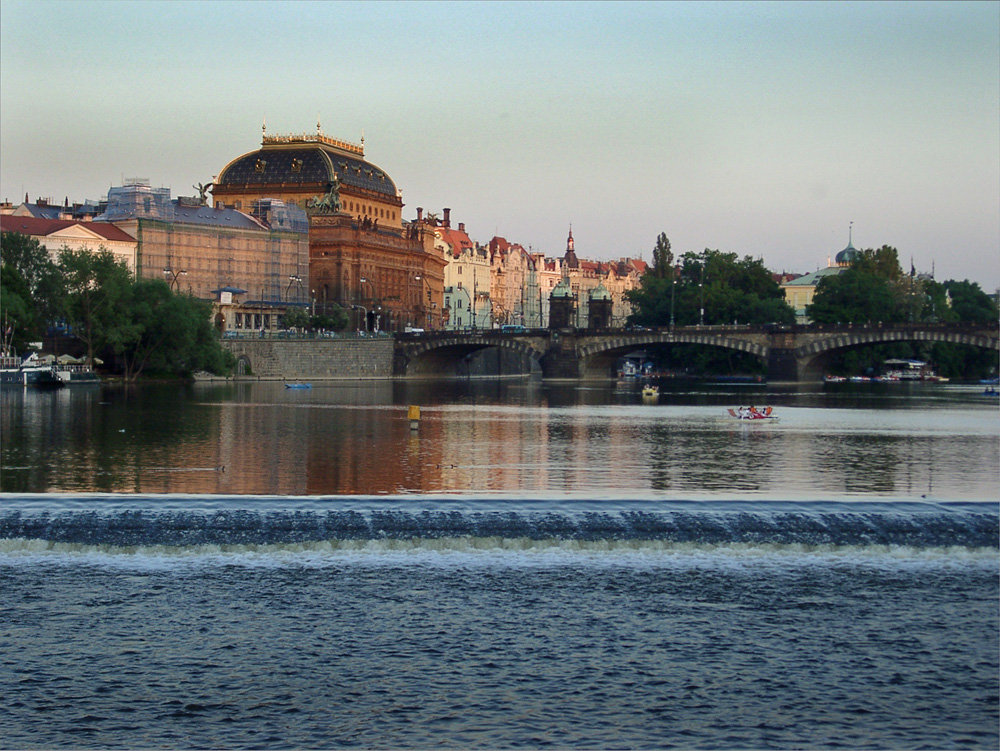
[791, 353]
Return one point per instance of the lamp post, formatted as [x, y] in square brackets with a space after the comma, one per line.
[471, 309]
[364, 311]
[293, 279]
[475, 294]
[420, 297]
[365, 280]
[701, 294]
[172, 277]
[673, 294]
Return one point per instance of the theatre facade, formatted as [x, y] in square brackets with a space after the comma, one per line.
[363, 256]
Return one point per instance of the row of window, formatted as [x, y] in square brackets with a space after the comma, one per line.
[365, 209]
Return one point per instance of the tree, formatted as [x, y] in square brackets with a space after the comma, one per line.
[296, 318]
[727, 288]
[883, 262]
[663, 258]
[166, 332]
[970, 303]
[97, 288]
[30, 293]
[855, 296]
[17, 315]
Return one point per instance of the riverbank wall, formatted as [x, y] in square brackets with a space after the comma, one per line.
[298, 359]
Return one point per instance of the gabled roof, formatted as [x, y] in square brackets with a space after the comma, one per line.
[39, 211]
[35, 227]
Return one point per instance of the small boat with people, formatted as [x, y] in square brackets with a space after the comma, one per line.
[649, 390]
[753, 413]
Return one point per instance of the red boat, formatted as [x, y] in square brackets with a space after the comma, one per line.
[752, 413]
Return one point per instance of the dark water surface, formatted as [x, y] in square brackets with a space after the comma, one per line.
[534, 567]
[891, 440]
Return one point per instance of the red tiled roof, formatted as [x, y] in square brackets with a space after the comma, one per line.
[35, 227]
[458, 241]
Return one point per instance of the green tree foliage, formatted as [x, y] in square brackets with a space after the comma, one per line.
[166, 332]
[856, 296]
[970, 303]
[30, 283]
[663, 258]
[335, 319]
[728, 288]
[97, 292]
[297, 318]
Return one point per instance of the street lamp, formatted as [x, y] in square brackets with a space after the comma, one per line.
[364, 310]
[420, 297]
[172, 277]
[673, 294]
[293, 279]
[365, 280]
[701, 293]
[471, 308]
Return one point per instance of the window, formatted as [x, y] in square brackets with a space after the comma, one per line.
[458, 304]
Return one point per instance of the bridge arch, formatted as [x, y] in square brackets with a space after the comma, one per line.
[449, 355]
[813, 354]
[599, 356]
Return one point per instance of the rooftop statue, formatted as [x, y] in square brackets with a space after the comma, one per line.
[203, 189]
[330, 203]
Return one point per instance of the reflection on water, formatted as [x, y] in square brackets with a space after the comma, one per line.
[509, 436]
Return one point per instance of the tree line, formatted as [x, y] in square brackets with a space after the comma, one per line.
[94, 297]
[714, 287]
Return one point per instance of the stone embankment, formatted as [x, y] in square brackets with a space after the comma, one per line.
[296, 359]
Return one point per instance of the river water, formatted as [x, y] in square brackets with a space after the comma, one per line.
[558, 565]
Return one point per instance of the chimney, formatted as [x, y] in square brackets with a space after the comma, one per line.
[420, 214]
[447, 217]
[461, 226]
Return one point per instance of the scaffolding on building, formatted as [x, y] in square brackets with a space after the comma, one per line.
[280, 216]
[137, 200]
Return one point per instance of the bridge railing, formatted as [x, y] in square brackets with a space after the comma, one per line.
[304, 335]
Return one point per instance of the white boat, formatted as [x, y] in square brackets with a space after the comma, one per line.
[31, 372]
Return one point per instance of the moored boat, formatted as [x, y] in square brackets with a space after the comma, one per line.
[31, 372]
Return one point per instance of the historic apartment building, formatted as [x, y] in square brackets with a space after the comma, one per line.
[78, 235]
[363, 257]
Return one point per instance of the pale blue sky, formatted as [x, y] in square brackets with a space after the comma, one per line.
[762, 129]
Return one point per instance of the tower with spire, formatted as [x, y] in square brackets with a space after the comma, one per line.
[570, 261]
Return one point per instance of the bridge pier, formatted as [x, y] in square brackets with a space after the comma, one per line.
[562, 360]
[782, 365]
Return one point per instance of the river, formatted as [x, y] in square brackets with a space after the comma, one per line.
[535, 565]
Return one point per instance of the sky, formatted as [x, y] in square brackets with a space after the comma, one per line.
[762, 129]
